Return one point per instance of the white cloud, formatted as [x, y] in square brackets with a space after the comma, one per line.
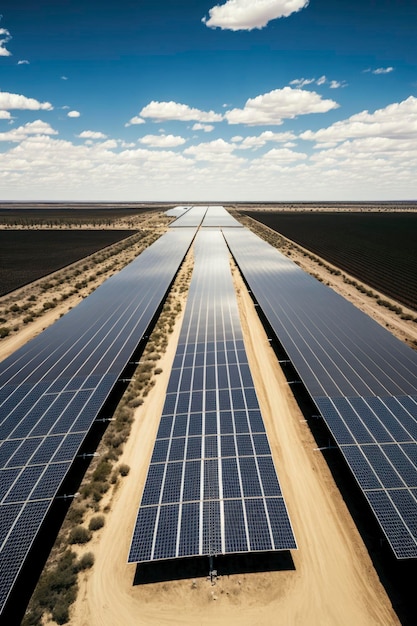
[258, 141]
[302, 82]
[207, 128]
[135, 120]
[283, 155]
[162, 141]
[64, 77]
[250, 14]
[16, 101]
[218, 151]
[5, 115]
[91, 134]
[396, 120]
[23, 62]
[273, 107]
[383, 70]
[32, 128]
[163, 111]
[323, 80]
[73, 114]
[5, 37]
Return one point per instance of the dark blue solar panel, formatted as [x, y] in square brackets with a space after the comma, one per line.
[215, 437]
[361, 468]
[141, 547]
[192, 481]
[259, 532]
[166, 534]
[172, 484]
[280, 524]
[235, 528]
[189, 535]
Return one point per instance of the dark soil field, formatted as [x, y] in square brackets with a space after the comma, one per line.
[26, 255]
[378, 248]
[62, 215]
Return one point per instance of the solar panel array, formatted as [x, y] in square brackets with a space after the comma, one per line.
[192, 218]
[177, 211]
[211, 487]
[53, 388]
[362, 379]
[218, 217]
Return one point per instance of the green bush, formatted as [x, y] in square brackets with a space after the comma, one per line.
[4, 332]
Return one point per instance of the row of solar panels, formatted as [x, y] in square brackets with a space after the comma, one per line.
[53, 388]
[205, 216]
[211, 487]
[362, 379]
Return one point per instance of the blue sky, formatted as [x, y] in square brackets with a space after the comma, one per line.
[192, 101]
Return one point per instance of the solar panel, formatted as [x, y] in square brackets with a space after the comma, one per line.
[362, 379]
[52, 389]
[206, 479]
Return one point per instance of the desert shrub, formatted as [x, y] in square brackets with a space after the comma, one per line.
[4, 332]
[124, 469]
[79, 534]
[158, 370]
[96, 522]
[48, 305]
[136, 402]
[102, 471]
[76, 513]
[86, 561]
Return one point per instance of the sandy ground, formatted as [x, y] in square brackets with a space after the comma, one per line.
[333, 581]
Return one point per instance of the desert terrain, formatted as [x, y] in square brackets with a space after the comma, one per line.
[333, 580]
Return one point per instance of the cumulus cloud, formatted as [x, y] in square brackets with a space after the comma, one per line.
[23, 62]
[5, 37]
[217, 151]
[258, 141]
[164, 111]
[396, 120]
[162, 141]
[37, 127]
[273, 107]
[73, 114]
[250, 14]
[207, 128]
[283, 155]
[91, 134]
[16, 101]
[135, 120]
[5, 115]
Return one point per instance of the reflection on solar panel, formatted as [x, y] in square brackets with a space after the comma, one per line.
[52, 389]
[362, 379]
[212, 487]
[217, 216]
[177, 211]
[192, 218]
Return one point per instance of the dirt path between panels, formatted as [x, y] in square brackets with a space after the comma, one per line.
[333, 583]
